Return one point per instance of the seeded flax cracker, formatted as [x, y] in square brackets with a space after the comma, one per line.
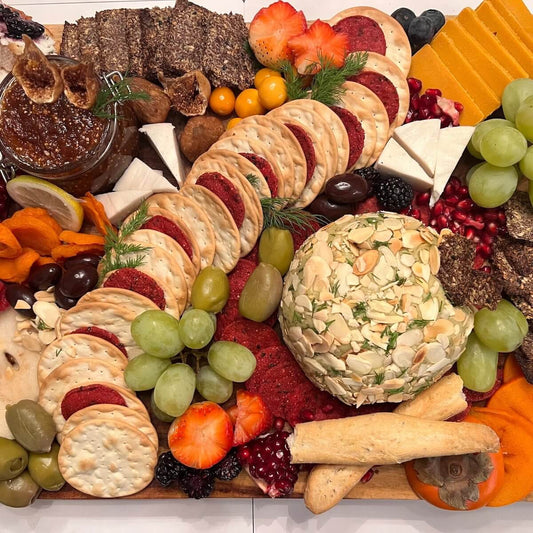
[368, 100]
[253, 219]
[288, 138]
[227, 238]
[112, 318]
[194, 217]
[398, 49]
[130, 399]
[71, 375]
[78, 346]
[107, 459]
[241, 145]
[112, 412]
[306, 116]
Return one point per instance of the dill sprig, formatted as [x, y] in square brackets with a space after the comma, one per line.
[291, 218]
[294, 82]
[118, 93]
[115, 247]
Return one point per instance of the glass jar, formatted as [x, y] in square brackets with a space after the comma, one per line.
[63, 144]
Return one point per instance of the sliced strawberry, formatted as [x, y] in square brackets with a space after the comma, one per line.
[202, 436]
[270, 31]
[253, 417]
[320, 40]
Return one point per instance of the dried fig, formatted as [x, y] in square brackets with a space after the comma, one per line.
[39, 77]
[198, 136]
[189, 94]
[153, 110]
[81, 84]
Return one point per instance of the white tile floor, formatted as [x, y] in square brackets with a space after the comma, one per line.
[246, 516]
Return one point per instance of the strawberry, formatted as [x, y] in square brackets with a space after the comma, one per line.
[270, 31]
[201, 436]
[320, 40]
[252, 417]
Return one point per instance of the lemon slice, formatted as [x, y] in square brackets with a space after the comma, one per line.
[29, 191]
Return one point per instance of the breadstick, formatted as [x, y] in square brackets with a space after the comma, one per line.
[327, 485]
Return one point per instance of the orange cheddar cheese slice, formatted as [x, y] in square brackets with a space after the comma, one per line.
[521, 13]
[494, 74]
[428, 67]
[473, 25]
[504, 33]
[501, 8]
[467, 76]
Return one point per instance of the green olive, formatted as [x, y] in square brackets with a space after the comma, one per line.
[44, 469]
[31, 426]
[13, 459]
[277, 248]
[160, 415]
[20, 491]
[261, 295]
[210, 290]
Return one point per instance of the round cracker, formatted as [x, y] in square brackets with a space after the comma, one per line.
[194, 217]
[166, 254]
[241, 145]
[78, 346]
[112, 318]
[369, 100]
[298, 156]
[398, 47]
[71, 375]
[110, 412]
[253, 214]
[113, 295]
[107, 459]
[305, 113]
[227, 237]
[132, 402]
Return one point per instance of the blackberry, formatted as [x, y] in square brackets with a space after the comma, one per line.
[197, 484]
[17, 27]
[168, 469]
[229, 468]
[393, 194]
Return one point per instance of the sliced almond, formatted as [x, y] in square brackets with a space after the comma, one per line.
[366, 262]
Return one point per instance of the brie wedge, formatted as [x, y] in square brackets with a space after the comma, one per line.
[140, 177]
[119, 204]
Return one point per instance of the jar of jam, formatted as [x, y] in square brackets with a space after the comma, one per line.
[62, 143]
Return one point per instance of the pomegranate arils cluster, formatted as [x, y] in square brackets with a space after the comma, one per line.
[431, 104]
[268, 460]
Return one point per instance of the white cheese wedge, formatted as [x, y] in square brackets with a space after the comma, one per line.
[419, 139]
[163, 139]
[140, 177]
[119, 204]
[452, 144]
[395, 161]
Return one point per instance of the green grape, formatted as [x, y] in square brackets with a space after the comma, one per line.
[526, 164]
[513, 96]
[478, 365]
[196, 328]
[156, 332]
[502, 329]
[143, 372]
[471, 171]
[160, 415]
[210, 290]
[524, 118]
[174, 389]
[491, 186]
[212, 386]
[276, 247]
[481, 129]
[503, 146]
[231, 360]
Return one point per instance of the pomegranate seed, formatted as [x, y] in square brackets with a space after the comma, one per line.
[461, 230]
[479, 261]
[476, 239]
[279, 423]
[447, 211]
[484, 250]
[479, 218]
[422, 198]
[436, 111]
[455, 182]
[452, 200]
[416, 213]
[459, 216]
[486, 269]
[492, 228]
[474, 223]
[458, 106]
[502, 218]
[445, 120]
[442, 222]
[470, 233]
[424, 113]
[433, 222]
[415, 85]
[434, 92]
[449, 189]
[486, 238]
[455, 227]
[465, 205]
[244, 455]
[405, 211]
[368, 476]
[415, 102]
[438, 209]
[307, 415]
[462, 191]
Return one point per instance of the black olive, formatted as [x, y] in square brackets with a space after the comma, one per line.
[346, 189]
[77, 280]
[85, 259]
[44, 277]
[16, 292]
[321, 205]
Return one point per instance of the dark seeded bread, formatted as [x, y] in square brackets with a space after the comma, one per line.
[89, 43]
[111, 27]
[134, 42]
[155, 28]
[70, 44]
[226, 61]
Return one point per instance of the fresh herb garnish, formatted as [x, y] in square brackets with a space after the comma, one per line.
[118, 93]
[418, 323]
[359, 311]
[393, 339]
[116, 247]
[295, 84]
[253, 180]
[291, 218]
[42, 325]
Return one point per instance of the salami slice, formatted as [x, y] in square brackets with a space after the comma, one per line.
[356, 133]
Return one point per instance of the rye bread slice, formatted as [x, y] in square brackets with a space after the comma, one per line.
[111, 29]
[155, 28]
[70, 43]
[134, 42]
[89, 42]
